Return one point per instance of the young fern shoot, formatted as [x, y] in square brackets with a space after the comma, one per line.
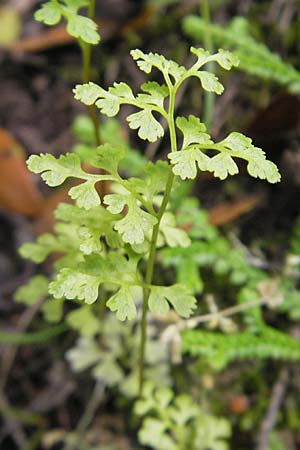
[136, 219]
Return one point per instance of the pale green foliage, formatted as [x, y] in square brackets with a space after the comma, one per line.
[81, 27]
[30, 293]
[114, 359]
[179, 297]
[36, 290]
[208, 251]
[123, 302]
[255, 58]
[84, 321]
[131, 209]
[220, 349]
[196, 142]
[39, 250]
[176, 423]
[136, 224]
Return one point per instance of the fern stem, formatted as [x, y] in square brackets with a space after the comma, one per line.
[152, 252]
[209, 97]
[86, 50]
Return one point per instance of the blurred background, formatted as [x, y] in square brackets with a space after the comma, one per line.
[39, 66]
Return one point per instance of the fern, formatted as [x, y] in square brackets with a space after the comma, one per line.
[255, 58]
[220, 349]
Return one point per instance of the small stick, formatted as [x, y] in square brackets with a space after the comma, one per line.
[269, 421]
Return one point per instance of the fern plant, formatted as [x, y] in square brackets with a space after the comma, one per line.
[177, 423]
[255, 58]
[131, 220]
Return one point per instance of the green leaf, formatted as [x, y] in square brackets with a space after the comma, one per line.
[84, 321]
[85, 195]
[49, 13]
[55, 170]
[193, 131]
[222, 165]
[79, 26]
[265, 170]
[107, 157]
[109, 101]
[72, 284]
[88, 93]
[173, 236]
[258, 166]
[224, 58]
[154, 434]
[156, 94]
[53, 310]
[209, 82]
[149, 128]
[156, 179]
[86, 353]
[83, 28]
[186, 161]
[182, 301]
[147, 61]
[39, 250]
[34, 290]
[137, 223]
[123, 303]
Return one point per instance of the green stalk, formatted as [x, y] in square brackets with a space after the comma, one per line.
[152, 252]
[209, 97]
[86, 50]
[10, 338]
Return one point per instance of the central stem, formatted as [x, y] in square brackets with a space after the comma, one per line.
[152, 252]
[209, 97]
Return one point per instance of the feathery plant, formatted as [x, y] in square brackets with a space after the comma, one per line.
[255, 58]
[115, 238]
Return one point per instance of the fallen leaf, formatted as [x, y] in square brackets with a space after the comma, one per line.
[229, 211]
[18, 193]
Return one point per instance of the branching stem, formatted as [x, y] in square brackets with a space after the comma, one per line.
[209, 97]
[152, 252]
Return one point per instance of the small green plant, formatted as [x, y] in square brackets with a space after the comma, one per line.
[177, 423]
[116, 249]
[136, 216]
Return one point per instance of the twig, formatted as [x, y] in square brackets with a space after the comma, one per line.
[270, 418]
[10, 353]
[86, 417]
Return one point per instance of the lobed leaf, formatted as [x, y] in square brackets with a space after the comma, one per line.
[85, 195]
[39, 250]
[49, 13]
[136, 225]
[55, 170]
[155, 93]
[224, 58]
[83, 28]
[123, 303]
[186, 161]
[72, 284]
[174, 237]
[34, 290]
[148, 127]
[193, 131]
[108, 157]
[209, 82]
[182, 301]
[146, 61]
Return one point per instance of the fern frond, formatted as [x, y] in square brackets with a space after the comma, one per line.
[255, 58]
[220, 349]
